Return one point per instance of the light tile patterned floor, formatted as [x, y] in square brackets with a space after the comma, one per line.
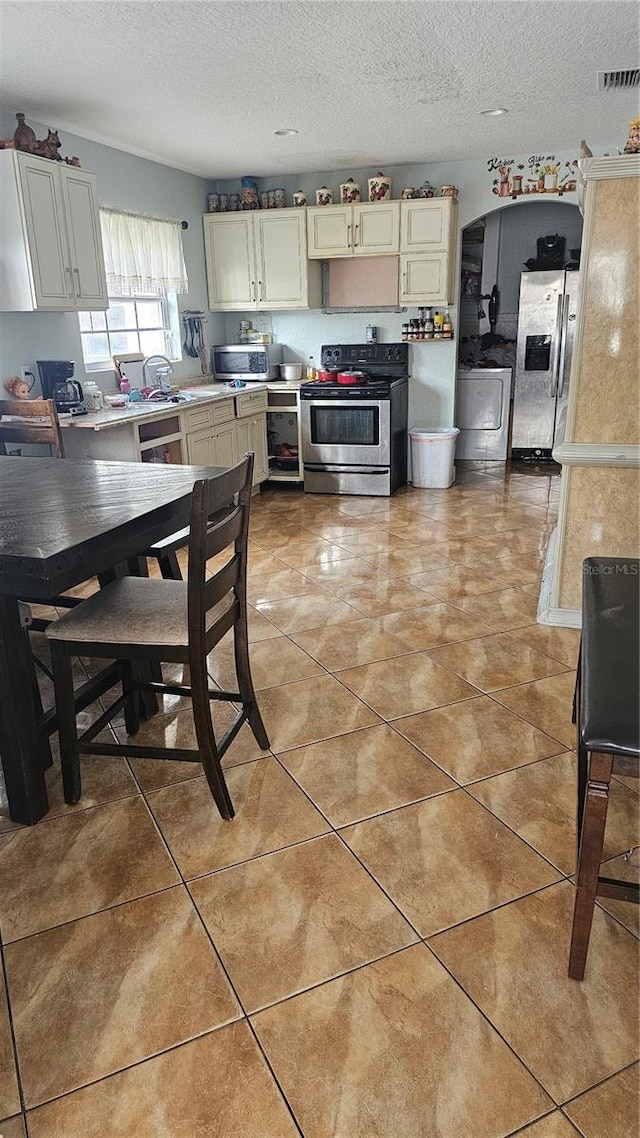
[376, 947]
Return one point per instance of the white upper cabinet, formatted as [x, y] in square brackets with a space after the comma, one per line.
[427, 247]
[426, 224]
[259, 260]
[51, 248]
[230, 257]
[365, 229]
[425, 278]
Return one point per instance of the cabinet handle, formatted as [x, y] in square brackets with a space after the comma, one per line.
[253, 291]
[70, 289]
[77, 273]
[356, 236]
[259, 291]
[349, 233]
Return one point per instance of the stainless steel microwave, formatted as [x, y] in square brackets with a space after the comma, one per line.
[246, 361]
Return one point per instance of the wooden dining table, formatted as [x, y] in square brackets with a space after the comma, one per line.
[63, 522]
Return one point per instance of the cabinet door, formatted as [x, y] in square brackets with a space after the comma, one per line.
[85, 238]
[376, 228]
[329, 231]
[46, 233]
[258, 444]
[426, 225]
[281, 258]
[199, 448]
[424, 279]
[241, 438]
[223, 446]
[229, 254]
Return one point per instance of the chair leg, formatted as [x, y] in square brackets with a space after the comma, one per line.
[170, 566]
[67, 728]
[132, 706]
[245, 682]
[47, 757]
[208, 749]
[591, 843]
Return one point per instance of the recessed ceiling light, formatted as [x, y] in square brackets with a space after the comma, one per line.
[286, 132]
[494, 111]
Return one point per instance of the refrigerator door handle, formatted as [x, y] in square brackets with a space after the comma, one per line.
[557, 352]
[563, 349]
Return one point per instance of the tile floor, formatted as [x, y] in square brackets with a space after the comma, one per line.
[377, 945]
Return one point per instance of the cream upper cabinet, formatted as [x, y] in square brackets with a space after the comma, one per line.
[365, 229]
[230, 258]
[259, 260]
[427, 224]
[50, 243]
[425, 278]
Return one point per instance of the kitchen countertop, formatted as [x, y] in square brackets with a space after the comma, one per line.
[155, 409]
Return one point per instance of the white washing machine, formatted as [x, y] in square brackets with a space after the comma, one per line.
[483, 397]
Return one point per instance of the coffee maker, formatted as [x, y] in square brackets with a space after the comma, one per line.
[58, 384]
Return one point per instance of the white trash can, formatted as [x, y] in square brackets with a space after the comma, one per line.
[432, 454]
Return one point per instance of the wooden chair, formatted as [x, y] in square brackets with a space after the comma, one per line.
[607, 710]
[156, 620]
[32, 426]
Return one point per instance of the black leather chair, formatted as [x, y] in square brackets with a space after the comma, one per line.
[607, 709]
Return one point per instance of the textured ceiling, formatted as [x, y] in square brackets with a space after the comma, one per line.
[202, 86]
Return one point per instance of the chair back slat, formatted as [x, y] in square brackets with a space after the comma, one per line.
[30, 428]
[217, 524]
[219, 585]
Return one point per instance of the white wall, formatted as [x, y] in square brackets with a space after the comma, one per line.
[133, 183]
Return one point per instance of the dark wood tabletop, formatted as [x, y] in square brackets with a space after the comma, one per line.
[63, 521]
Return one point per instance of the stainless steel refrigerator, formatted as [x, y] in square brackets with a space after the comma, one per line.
[546, 329]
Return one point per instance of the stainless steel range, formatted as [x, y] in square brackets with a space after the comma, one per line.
[354, 437]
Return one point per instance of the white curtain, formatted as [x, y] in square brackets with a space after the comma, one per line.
[143, 255]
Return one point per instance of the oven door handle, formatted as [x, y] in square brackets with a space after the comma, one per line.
[311, 402]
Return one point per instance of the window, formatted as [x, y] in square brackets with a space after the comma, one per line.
[142, 324]
[145, 268]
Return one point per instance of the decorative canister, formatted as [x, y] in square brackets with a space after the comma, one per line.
[299, 198]
[425, 190]
[213, 203]
[449, 192]
[272, 199]
[264, 199]
[409, 192]
[224, 202]
[249, 198]
[349, 192]
[379, 188]
[234, 201]
[324, 196]
[280, 198]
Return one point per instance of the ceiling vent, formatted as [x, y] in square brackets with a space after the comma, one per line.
[623, 80]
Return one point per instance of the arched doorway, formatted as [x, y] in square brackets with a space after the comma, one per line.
[518, 291]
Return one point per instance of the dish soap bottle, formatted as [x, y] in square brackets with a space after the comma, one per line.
[311, 369]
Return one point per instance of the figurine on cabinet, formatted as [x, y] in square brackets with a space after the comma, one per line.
[632, 145]
[449, 192]
[24, 136]
[48, 147]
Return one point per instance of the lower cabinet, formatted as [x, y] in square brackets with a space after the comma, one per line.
[227, 444]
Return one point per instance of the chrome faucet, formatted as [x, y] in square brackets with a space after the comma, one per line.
[162, 375]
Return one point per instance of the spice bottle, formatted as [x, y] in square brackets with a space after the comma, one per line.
[428, 324]
[405, 332]
[311, 369]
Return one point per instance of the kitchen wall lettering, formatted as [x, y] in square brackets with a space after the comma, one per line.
[541, 174]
